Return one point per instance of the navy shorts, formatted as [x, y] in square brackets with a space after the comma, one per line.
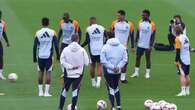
[185, 69]
[44, 64]
[95, 58]
[75, 82]
[140, 51]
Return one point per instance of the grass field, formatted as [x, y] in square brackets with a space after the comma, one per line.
[23, 19]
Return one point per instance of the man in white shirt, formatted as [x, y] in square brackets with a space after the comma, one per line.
[95, 38]
[73, 59]
[144, 41]
[44, 40]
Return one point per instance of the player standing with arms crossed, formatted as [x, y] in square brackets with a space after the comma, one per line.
[113, 58]
[182, 59]
[44, 40]
[144, 41]
[73, 59]
[95, 38]
[3, 34]
[123, 30]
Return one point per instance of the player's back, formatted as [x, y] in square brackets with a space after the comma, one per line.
[45, 41]
[184, 49]
[96, 36]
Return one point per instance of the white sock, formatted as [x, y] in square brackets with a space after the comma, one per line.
[99, 78]
[147, 71]
[93, 81]
[1, 72]
[188, 89]
[123, 76]
[183, 89]
[40, 86]
[136, 70]
[47, 86]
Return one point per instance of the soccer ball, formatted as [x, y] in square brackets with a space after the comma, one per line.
[69, 107]
[148, 103]
[172, 107]
[162, 103]
[12, 77]
[166, 106]
[155, 106]
[101, 105]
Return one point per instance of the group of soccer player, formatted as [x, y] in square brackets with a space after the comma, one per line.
[108, 53]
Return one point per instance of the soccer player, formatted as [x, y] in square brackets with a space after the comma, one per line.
[95, 38]
[182, 59]
[123, 30]
[113, 58]
[3, 34]
[44, 40]
[144, 41]
[68, 27]
[73, 60]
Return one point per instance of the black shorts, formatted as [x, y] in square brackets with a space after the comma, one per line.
[45, 64]
[63, 45]
[140, 51]
[95, 58]
[185, 69]
[75, 82]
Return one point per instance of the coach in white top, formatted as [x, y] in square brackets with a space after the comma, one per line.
[73, 59]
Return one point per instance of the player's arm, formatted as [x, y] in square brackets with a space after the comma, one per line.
[105, 36]
[87, 40]
[132, 35]
[137, 37]
[35, 45]
[55, 42]
[59, 35]
[80, 34]
[5, 35]
[124, 60]
[177, 47]
[153, 35]
[104, 60]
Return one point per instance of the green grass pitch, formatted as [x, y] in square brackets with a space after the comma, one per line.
[23, 19]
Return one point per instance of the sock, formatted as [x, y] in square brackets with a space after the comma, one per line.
[123, 75]
[118, 107]
[74, 99]
[93, 81]
[188, 89]
[40, 86]
[118, 97]
[99, 78]
[111, 96]
[47, 86]
[183, 89]
[147, 71]
[136, 70]
[62, 99]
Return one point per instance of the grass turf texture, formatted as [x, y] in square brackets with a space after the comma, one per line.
[23, 19]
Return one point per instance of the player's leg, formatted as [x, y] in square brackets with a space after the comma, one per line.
[123, 74]
[148, 63]
[40, 76]
[117, 91]
[63, 45]
[139, 53]
[48, 63]
[1, 62]
[187, 85]
[75, 91]
[92, 74]
[99, 69]
[110, 87]
[183, 81]
[67, 83]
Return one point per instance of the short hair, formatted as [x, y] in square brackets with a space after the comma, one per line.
[75, 37]
[66, 14]
[146, 11]
[121, 12]
[45, 21]
[92, 18]
[110, 34]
